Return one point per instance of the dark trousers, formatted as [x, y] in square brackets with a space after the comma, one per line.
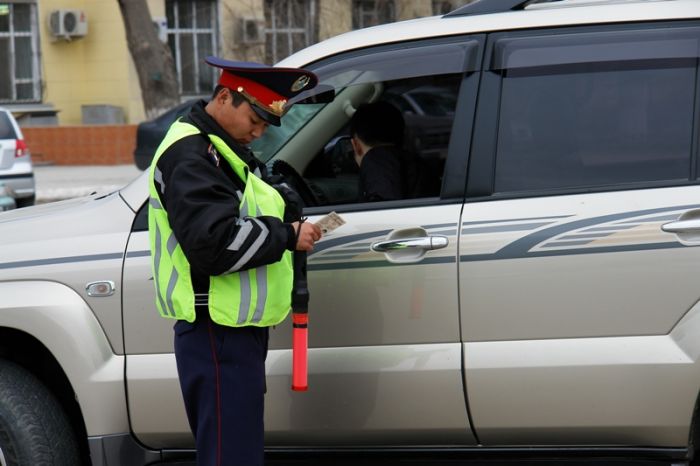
[222, 377]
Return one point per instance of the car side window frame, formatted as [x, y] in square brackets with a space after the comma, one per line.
[454, 173]
[482, 164]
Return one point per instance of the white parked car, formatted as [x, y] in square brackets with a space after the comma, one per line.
[16, 171]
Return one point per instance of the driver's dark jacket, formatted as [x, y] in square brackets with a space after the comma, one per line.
[201, 195]
[380, 175]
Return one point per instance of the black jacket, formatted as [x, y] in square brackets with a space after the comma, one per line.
[380, 175]
[201, 195]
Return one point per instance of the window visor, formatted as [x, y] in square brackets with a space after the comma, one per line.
[399, 63]
[595, 47]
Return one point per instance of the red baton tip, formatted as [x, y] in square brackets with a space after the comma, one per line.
[299, 358]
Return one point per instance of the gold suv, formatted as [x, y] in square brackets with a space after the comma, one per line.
[535, 295]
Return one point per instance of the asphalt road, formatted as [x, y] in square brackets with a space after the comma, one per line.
[58, 182]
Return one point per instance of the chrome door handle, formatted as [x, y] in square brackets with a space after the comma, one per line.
[682, 226]
[426, 243]
[686, 227]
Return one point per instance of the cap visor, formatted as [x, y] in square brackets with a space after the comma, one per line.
[274, 120]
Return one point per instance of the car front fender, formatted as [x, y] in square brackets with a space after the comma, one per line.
[62, 321]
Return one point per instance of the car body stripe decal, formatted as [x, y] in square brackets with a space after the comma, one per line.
[530, 219]
[379, 263]
[566, 252]
[522, 247]
[610, 228]
[144, 253]
[504, 228]
[347, 247]
[335, 257]
[62, 260]
[658, 218]
[352, 240]
[557, 244]
[345, 251]
[587, 235]
[443, 232]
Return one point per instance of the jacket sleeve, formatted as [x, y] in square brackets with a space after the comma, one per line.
[202, 203]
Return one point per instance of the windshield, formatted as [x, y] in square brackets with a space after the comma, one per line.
[276, 136]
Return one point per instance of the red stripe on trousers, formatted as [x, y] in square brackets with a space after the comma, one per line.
[218, 395]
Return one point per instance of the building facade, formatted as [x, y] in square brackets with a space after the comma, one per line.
[67, 62]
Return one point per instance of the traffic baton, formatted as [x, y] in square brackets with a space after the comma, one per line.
[300, 324]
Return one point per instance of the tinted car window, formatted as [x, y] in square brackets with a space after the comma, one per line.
[581, 125]
[7, 131]
[276, 136]
[425, 95]
[428, 125]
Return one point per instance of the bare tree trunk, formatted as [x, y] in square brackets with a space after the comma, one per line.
[153, 60]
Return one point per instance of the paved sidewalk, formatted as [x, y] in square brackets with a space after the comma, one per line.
[58, 182]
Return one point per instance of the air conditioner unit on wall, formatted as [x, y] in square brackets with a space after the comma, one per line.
[252, 30]
[160, 23]
[66, 24]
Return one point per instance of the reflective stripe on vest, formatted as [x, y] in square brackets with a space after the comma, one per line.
[238, 297]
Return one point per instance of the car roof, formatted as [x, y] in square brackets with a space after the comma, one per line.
[539, 15]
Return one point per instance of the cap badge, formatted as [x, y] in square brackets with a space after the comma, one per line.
[300, 83]
[277, 106]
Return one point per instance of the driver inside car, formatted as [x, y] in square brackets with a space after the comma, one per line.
[377, 131]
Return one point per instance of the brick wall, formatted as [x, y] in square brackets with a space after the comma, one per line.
[82, 145]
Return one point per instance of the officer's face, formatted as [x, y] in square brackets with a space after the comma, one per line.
[241, 123]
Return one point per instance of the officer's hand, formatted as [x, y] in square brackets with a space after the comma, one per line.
[307, 236]
[293, 204]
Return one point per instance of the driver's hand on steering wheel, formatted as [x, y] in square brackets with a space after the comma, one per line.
[307, 236]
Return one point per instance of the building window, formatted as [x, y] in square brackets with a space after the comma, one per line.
[20, 79]
[366, 13]
[192, 37]
[289, 27]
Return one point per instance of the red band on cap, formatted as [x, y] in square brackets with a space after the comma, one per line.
[256, 93]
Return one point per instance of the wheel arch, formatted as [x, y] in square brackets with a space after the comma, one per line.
[52, 322]
[694, 435]
[26, 351]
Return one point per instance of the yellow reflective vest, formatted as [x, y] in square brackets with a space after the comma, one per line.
[260, 296]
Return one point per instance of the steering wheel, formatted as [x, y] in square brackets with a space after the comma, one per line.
[297, 182]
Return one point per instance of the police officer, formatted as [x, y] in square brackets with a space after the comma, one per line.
[222, 254]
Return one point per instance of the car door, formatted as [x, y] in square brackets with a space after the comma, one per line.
[156, 409]
[577, 309]
[385, 360]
